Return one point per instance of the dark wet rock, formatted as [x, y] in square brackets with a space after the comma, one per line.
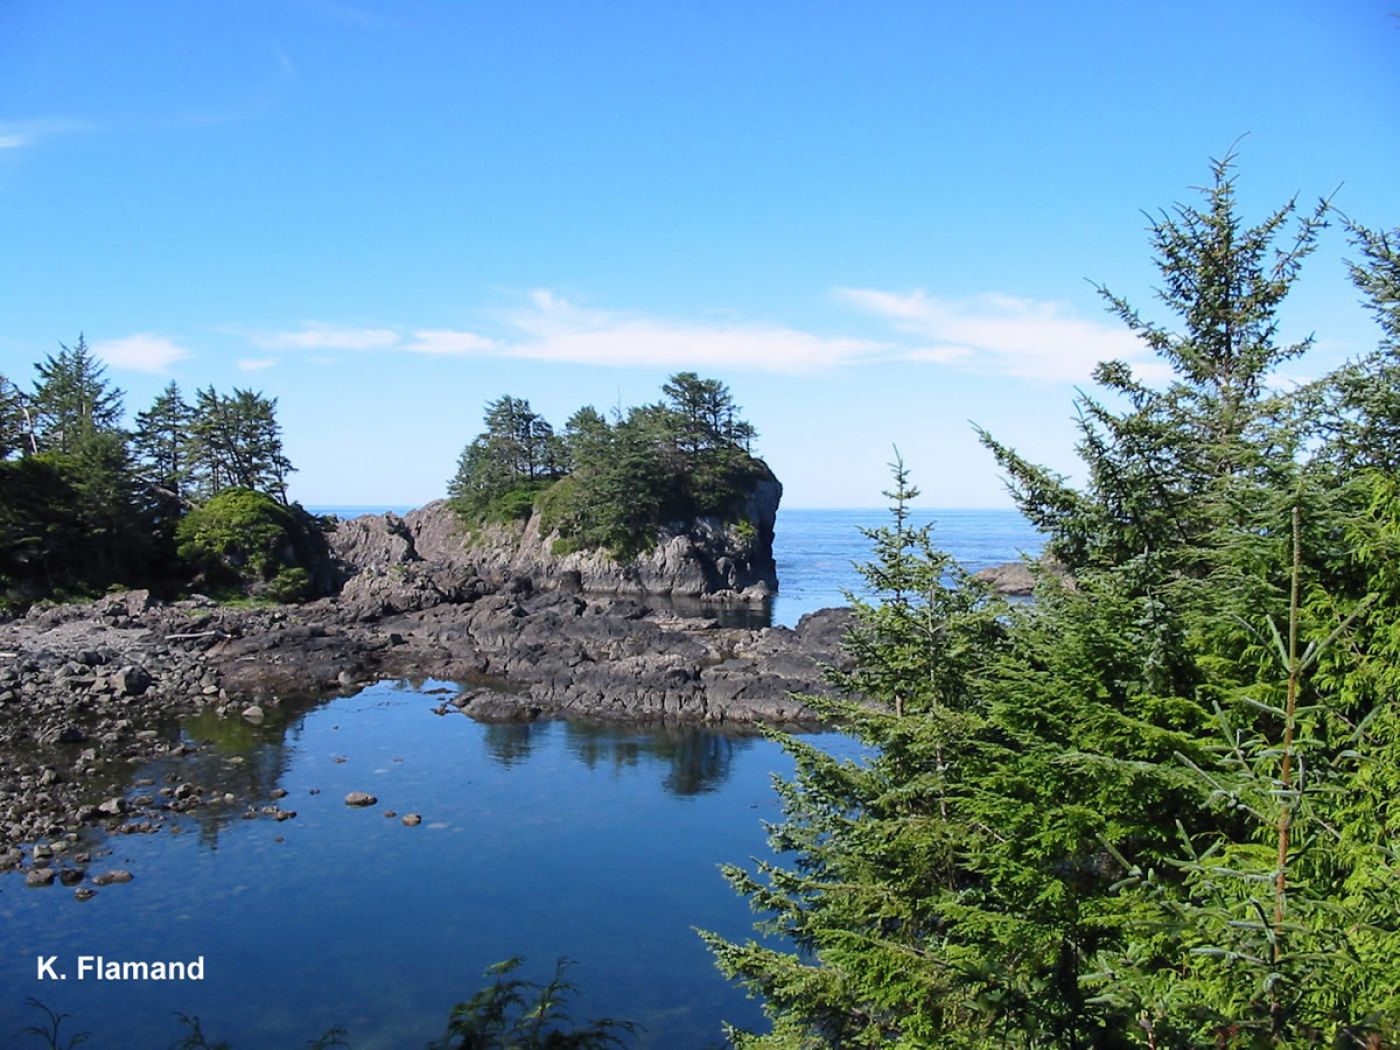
[71, 876]
[83, 893]
[39, 877]
[360, 798]
[108, 878]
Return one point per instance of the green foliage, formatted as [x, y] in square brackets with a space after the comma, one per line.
[162, 443]
[1155, 807]
[508, 1014]
[49, 1033]
[503, 468]
[14, 417]
[72, 399]
[1153, 468]
[514, 1014]
[234, 441]
[611, 485]
[292, 584]
[238, 535]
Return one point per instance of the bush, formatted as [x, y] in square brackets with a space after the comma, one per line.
[289, 585]
[239, 535]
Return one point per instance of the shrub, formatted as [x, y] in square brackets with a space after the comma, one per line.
[238, 535]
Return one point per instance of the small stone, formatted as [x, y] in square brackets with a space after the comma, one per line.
[390, 813]
[107, 878]
[113, 807]
[252, 713]
[71, 876]
[83, 893]
[360, 798]
[39, 877]
[412, 820]
[278, 793]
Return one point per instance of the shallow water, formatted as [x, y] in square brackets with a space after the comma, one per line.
[599, 843]
[592, 842]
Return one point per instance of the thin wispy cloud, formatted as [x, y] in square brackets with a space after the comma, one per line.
[446, 342]
[316, 336]
[142, 352]
[551, 328]
[255, 364]
[1004, 335]
[991, 334]
[19, 134]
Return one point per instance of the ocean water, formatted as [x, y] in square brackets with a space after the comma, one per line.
[601, 844]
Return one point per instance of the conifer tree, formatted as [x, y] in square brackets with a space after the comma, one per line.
[73, 399]
[236, 442]
[15, 435]
[965, 885]
[1153, 467]
[162, 442]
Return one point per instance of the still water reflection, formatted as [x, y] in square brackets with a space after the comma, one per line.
[595, 842]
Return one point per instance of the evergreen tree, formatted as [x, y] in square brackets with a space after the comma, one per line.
[1117, 816]
[162, 443]
[72, 399]
[1153, 467]
[1360, 403]
[15, 435]
[236, 442]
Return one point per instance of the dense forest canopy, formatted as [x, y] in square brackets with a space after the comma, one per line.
[612, 483]
[1155, 807]
[85, 504]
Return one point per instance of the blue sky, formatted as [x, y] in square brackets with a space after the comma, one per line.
[876, 222]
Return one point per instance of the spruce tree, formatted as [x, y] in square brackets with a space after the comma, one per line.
[15, 437]
[980, 879]
[162, 443]
[73, 399]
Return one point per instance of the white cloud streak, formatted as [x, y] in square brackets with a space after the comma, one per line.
[316, 336]
[18, 134]
[1004, 335]
[255, 364]
[992, 334]
[446, 342]
[551, 328]
[142, 352]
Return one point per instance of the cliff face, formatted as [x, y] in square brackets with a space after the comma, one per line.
[429, 547]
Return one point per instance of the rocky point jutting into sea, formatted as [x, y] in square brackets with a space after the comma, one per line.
[87, 690]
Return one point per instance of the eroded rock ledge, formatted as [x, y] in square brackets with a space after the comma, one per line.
[707, 558]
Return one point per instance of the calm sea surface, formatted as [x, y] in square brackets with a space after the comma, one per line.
[555, 839]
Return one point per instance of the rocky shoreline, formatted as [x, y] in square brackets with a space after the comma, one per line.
[89, 692]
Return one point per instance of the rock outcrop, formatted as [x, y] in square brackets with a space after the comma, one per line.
[427, 556]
